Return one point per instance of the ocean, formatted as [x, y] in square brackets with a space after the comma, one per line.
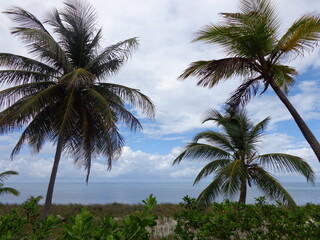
[135, 192]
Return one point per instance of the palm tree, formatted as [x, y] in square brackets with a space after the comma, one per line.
[255, 53]
[7, 190]
[61, 94]
[233, 158]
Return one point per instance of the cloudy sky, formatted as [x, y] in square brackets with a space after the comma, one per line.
[165, 29]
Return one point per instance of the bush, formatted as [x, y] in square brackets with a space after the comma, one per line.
[232, 220]
[26, 224]
[227, 220]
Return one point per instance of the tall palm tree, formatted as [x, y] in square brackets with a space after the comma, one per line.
[7, 190]
[235, 162]
[61, 94]
[255, 53]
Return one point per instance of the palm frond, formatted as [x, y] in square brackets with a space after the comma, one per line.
[25, 18]
[251, 37]
[215, 138]
[210, 193]
[75, 26]
[263, 8]
[212, 115]
[105, 139]
[211, 168]
[18, 77]
[80, 78]
[234, 173]
[131, 96]
[44, 47]
[286, 162]
[256, 131]
[29, 105]
[201, 152]
[37, 132]
[6, 174]
[210, 73]
[284, 76]
[11, 95]
[16, 62]
[272, 188]
[244, 93]
[8, 190]
[109, 61]
[303, 35]
[115, 108]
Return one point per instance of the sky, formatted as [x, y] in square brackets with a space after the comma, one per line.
[165, 29]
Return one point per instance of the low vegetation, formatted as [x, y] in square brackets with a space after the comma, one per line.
[227, 220]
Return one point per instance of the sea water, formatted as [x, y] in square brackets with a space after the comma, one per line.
[135, 192]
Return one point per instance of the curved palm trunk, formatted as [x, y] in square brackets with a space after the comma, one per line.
[311, 139]
[47, 204]
[243, 192]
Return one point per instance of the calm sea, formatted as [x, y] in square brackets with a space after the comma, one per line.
[135, 192]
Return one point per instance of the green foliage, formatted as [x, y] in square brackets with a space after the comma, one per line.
[227, 220]
[25, 223]
[189, 219]
[12, 225]
[232, 220]
[133, 226]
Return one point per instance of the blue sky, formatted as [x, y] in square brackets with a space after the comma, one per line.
[165, 29]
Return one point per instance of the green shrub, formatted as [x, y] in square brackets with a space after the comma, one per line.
[227, 220]
[25, 223]
[133, 226]
[232, 220]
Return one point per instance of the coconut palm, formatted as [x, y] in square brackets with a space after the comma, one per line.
[7, 190]
[256, 52]
[61, 94]
[235, 162]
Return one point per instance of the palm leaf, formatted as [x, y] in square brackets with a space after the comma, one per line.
[210, 168]
[220, 140]
[44, 46]
[115, 54]
[109, 105]
[11, 95]
[37, 132]
[25, 18]
[244, 93]
[131, 96]
[80, 78]
[6, 174]
[202, 152]
[303, 35]
[286, 162]
[210, 193]
[263, 8]
[21, 77]
[16, 62]
[211, 72]
[8, 190]
[29, 105]
[270, 186]
[284, 76]
[234, 173]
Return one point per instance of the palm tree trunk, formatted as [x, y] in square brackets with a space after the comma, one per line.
[47, 204]
[243, 192]
[309, 136]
